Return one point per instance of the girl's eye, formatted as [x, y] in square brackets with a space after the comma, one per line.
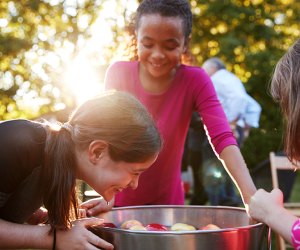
[170, 48]
[148, 46]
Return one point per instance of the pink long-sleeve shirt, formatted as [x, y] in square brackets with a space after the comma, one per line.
[296, 235]
[190, 90]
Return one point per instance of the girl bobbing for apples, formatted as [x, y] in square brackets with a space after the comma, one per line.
[108, 142]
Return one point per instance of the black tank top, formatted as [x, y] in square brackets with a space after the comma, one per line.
[22, 145]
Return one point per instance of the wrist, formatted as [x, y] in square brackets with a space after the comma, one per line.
[273, 215]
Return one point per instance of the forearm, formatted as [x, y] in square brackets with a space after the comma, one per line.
[235, 165]
[14, 235]
[281, 221]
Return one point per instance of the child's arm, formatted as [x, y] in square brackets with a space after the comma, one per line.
[235, 165]
[20, 236]
[14, 235]
[268, 208]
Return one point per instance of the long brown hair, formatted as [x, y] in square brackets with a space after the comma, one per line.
[115, 117]
[285, 88]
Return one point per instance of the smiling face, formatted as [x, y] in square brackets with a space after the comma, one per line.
[161, 43]
[108, 177]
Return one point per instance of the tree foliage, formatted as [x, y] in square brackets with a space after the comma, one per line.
[33, 33]
[250, 36]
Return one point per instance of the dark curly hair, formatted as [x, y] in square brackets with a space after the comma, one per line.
[165, 8]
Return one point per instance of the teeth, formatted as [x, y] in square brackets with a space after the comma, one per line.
[156, 65]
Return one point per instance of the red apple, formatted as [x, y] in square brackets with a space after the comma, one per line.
[156, 227]
[108, 224]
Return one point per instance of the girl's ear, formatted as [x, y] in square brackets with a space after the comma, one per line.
[186, 44]
[95, 150]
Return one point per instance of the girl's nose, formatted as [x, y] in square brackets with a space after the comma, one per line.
[134, 183]
[158, 53]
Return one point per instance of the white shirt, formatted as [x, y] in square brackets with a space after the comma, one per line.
[252, 115]
[231, 93]
[237, 104]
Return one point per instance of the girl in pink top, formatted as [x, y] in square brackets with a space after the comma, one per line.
[268, 207]
[171, 91]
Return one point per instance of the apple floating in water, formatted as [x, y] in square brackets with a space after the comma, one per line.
[182, 227]
[130, 223]
[210, 227]
[156, 227]
[138, 227]
[108, 224]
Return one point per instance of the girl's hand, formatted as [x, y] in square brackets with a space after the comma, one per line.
[263, 204]
[79, 237]
[39, 216]
[96, 206]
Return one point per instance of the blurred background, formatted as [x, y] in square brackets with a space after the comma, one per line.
[54, 53]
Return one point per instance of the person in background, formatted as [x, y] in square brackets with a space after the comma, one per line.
[241, 110]
[250, 118]
[196, 136]
[230, 91]
[108, 142]
[264, 206]
[171, 91]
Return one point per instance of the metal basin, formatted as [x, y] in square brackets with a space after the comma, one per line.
[238, 231]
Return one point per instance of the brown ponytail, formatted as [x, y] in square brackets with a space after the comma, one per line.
[59, 178]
